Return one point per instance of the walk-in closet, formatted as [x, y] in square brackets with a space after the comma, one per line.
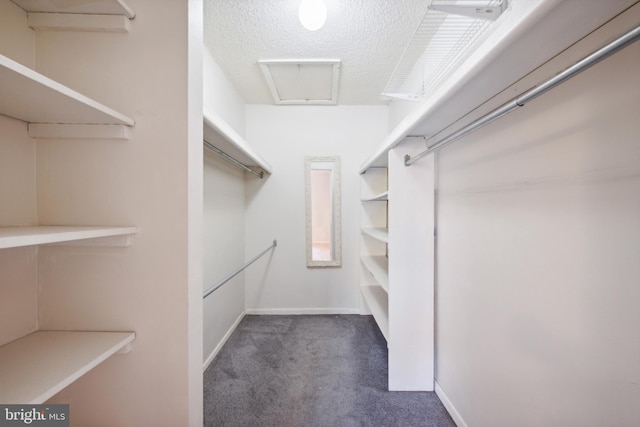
[230, 213]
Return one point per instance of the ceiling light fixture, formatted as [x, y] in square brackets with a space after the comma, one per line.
[312, 14]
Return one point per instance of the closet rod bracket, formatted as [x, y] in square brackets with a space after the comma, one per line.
[231, 160]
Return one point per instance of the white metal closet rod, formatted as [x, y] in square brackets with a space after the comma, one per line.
[602, 53]
[231, 160]
[232, 275]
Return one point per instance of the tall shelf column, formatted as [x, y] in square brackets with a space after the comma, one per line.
[397, 254]
[374, 283]
[411, 270]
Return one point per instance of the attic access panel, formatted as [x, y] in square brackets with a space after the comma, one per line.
[302, 81]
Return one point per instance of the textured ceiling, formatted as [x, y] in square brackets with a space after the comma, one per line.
[369, 36]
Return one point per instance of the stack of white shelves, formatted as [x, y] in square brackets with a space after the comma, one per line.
[37, 366]
[397, 264]
[375, 237]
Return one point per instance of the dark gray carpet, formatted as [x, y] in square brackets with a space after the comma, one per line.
[310, 371]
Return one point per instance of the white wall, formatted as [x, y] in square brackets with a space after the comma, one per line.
[276, 208]
[224, 206]
[224, 249]
[220, 96]
[538, 279]
[18, 40]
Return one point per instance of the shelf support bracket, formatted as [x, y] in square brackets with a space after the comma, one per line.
[78, 22]
[77, 131]
[126, 349]
[488, 13]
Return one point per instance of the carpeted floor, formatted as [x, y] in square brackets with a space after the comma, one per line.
[310, 371]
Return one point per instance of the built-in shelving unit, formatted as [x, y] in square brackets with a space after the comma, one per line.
[220, 134]
[12, 237]
[374, 279]
[397, 247]
[507, 59]
[39, 365]
[396, 253]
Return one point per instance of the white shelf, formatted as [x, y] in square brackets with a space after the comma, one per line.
[39, 365]
[378, 266]
[381, 234]
[13, 237]
[377, 198]
[218, 133]
[506, 55]
[90, 7]
[378, 300]
[31, 97]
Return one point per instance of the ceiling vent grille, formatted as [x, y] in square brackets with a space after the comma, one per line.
[302, 81]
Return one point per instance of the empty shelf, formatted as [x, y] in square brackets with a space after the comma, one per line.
[378, 301]
[379, 197]
[13, 237]
[378, 266]
[218, 133]
[31, 97]
[381, 234]
[39, 365]
[101, 7]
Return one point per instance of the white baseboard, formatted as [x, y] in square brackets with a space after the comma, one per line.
[457, 418]
[294, 311]
[224, 339]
